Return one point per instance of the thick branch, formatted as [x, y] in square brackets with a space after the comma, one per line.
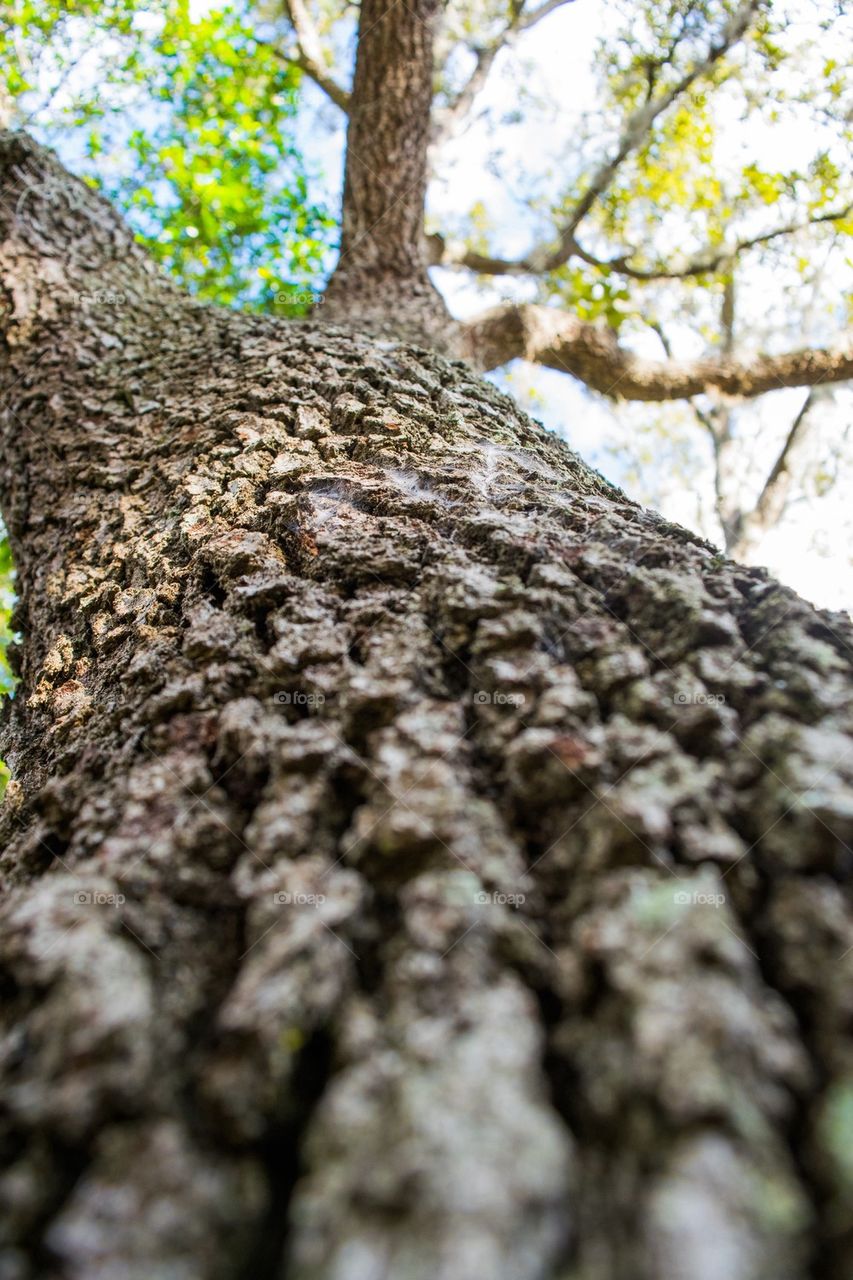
[637, 128]
[592, 354]
[68, 263]
[309, 54]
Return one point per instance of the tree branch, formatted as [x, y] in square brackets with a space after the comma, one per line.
[447, 120]
[710, 260]
[718, 422]
[549, 257]
[309, 54]
[773, 498]
[592, 354]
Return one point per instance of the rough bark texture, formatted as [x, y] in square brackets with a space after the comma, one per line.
[380, 282]
[422, 863]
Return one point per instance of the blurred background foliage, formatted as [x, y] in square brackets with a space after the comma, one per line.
[746, 174]
[186, 120]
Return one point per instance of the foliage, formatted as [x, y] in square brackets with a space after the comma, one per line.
[7, 600]
[218, 182]
[187, 121]
[687, 191]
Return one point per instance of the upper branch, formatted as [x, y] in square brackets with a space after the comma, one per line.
[772, 501]
[68, 263]
[547, 257]
[447, 119]
[309, 54]
[592, 354]
[711, 260]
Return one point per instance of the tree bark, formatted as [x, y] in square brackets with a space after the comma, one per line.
[381, 283]
[421, 862]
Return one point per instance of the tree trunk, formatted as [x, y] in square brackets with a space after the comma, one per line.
[380, 283]
[421, 863]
